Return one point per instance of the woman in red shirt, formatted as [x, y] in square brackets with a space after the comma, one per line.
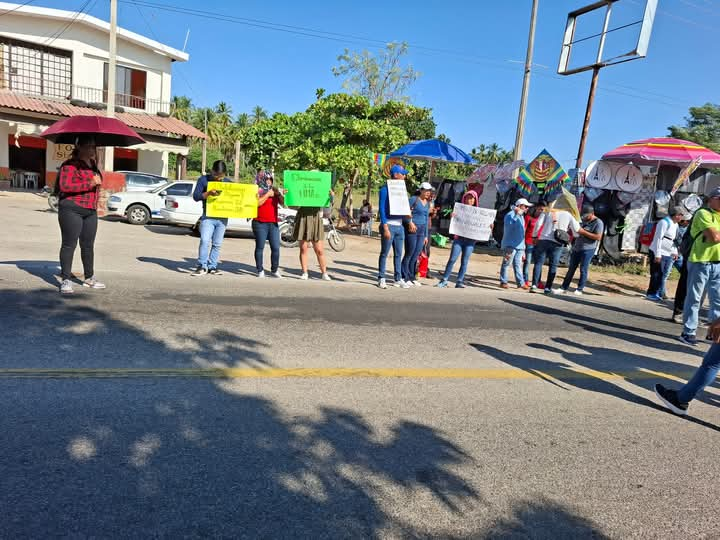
[265, 225]
[79, 184]
[530, 220]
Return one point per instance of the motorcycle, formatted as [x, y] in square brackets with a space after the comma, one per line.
[334, 237]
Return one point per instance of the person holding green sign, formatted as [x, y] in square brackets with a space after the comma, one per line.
[309, 227]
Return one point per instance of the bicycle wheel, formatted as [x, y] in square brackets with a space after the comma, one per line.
[336, 241]
[286, 239]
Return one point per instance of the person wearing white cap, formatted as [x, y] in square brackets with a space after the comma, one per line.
[416, 232]
[513, 243]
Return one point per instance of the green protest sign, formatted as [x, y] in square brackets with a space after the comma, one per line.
[307, 188]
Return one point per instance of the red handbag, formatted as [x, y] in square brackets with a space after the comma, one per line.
[423, 263]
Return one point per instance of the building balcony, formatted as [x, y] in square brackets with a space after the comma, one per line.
[136, 103]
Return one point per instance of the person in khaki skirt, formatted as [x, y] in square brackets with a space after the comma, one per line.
[308, 229]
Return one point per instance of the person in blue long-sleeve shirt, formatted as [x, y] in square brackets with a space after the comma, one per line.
[513, 244]
[212, 230]
[392, 234]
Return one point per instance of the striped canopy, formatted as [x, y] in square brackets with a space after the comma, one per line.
[664, 151]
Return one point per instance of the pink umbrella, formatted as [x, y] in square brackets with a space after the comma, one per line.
[664, 151]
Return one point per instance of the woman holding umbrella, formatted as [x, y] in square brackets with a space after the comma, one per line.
[79, 185]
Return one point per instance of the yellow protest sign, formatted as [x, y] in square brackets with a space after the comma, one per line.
[234, 201]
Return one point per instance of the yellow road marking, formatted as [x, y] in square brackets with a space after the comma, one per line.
[321, 373]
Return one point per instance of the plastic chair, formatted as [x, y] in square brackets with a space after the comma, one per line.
[31, 179]
[18, 179]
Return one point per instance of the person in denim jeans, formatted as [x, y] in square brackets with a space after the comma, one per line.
[513, 243]
[679, 400]
[460, 246]
[703, 267]
[212, 230]
[416, 233]
[530, 220]
[548, 246]
[584, 249]
[265, 225]
[392, 234]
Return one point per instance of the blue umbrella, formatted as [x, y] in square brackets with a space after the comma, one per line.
[433, 150]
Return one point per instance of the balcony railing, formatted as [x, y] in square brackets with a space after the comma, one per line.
[97, 95]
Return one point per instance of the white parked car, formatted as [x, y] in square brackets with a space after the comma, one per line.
[184, 211]
[141, 207]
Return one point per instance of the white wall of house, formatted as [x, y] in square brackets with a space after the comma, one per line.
[4, 148]
[153, 162]
[90, 51]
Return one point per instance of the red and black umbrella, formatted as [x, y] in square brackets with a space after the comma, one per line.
[106, 131]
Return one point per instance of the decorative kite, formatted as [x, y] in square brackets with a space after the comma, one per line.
[544, 174]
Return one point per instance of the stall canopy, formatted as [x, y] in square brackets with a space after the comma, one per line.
[663, 151]
[433, 150]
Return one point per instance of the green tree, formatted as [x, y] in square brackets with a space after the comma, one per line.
[701, 127]
[258, 114]
[181, 108]
[492, 153]
[379, 77]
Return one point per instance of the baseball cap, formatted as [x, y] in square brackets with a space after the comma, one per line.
[397, 169]
[427, 185]
[523, 202]
[714, 193]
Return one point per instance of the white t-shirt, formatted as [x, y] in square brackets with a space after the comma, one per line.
[663, 243]
[551, 221]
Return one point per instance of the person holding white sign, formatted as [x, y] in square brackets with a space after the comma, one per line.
[460, 245]
[391, 229]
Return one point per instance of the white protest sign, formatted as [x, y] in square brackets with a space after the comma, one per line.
[398, 198]
[472, 222]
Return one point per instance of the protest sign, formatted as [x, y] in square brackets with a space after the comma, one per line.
[307, 188]
[398, 198]
[234, 201]
[472, 222]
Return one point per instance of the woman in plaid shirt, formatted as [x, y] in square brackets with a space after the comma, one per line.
[78, 187]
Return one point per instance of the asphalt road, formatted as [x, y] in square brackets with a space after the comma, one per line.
[231, 407]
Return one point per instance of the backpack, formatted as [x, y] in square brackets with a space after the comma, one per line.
[648, 233]
[688, 240]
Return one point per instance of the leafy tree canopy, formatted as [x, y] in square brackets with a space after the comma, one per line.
[701, 127]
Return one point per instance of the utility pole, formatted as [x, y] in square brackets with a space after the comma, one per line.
[517, 151]
[237, 161]
[204, 146]
[112, 73]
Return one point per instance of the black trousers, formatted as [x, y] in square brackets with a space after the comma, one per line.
[681, 291]
[656, 275]
[77, 223]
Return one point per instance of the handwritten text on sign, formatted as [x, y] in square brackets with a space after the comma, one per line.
[234, 201]
[398, 198]
[472, 222]
[307, 188]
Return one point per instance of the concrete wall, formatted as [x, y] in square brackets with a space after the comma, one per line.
[153, 162]
[4, 152]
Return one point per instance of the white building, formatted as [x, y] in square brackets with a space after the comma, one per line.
[53, 64]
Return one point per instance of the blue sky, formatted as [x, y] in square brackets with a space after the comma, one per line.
[474, 91]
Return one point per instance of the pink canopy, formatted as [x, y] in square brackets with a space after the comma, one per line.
[664, 151]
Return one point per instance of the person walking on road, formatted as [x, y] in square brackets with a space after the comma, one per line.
[703, 267]
[310, 230]
[551, 231]
[460, 246]
[663, 252]
[679, 400]
[513, 243]
[212, 230]
[531, 218]
[79, 184]
[416, 233]
[392, 234]
[265, 225]
[584, 248]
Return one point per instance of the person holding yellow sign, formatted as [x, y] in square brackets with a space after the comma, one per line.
[212, 230]
[265, 225]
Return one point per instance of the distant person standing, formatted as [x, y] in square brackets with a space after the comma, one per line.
[531, 218]
[703, 267]
[551, 231]
[392, 234]
[583, 250]
[461, 247]
[310, 229]
[79, 184]
[663, 252]
[513, 243]
[416, 232]
[212, 230]
[265, 225]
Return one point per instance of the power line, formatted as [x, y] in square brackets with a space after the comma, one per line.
[88, 5]
[16, 8]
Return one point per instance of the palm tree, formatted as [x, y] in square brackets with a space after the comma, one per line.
[258, 114]
[243, 121]
[223, 114]
[197, 119]
[181, 108]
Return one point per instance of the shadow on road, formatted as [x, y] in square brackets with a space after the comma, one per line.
[187, 264]
[192, 457]
[48, 271]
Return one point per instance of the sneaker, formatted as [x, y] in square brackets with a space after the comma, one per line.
[93, 283]
[66, 287]
[416, 283]
[215, 272]
[304, 276]
[460, 285]
[524, 286]
[382, 284]
[401, 284]
[326, 277]
[261, 274]
[527, 285]
[534, 289]
[199, 271]
[277, 274]
[504, 286]
[653, 298]
[670, 400]
[578, 292]
[688, 339]
[560, 291]
[676, 318]
[550, 291]
[442, 284]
